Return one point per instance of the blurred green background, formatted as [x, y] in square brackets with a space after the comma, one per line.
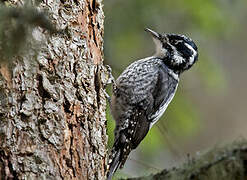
[210, 105]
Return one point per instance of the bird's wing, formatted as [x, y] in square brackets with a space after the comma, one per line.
[129, 138]
[131, 99]
[139, 96]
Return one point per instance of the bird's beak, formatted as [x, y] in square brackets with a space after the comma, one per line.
[153, 33]
[158, 41]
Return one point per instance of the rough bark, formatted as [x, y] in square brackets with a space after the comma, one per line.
[227, 163]
[52, 105]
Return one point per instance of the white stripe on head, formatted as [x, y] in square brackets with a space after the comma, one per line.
[192, 58]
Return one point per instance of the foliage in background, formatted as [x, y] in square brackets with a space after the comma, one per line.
[125, 41]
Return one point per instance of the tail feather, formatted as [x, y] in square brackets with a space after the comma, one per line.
[114, 164]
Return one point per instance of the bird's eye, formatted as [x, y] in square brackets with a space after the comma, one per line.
[172, 41]
[167, 47]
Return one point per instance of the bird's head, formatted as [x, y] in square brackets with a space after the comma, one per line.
[177, 51]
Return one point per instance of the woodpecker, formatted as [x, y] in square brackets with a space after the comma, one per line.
[143, 91]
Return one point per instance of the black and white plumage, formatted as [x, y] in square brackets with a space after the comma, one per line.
[144, 90]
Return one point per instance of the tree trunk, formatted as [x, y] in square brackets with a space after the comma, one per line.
[52, 105]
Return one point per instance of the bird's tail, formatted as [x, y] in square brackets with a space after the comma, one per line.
[114, 163]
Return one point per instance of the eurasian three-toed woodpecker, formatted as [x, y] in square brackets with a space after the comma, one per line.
[144, 90]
